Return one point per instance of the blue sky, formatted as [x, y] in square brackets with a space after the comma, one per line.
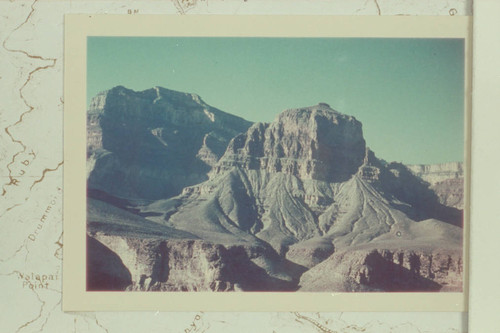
[408, 93]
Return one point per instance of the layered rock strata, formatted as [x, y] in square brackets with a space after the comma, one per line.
[446, 180]
[300, 194]
[151, 144]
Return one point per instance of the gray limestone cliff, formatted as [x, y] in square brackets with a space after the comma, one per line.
[309, 143]
[153, 143]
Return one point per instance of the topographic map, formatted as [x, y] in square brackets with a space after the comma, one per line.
[31, 170]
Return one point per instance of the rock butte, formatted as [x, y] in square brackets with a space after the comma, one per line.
[185, 197]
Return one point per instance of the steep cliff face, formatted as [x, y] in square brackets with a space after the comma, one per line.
[153, 143]
[150, 264]
[308, 143]
[434, 173]
[307, 185]
[275, 180]
[302, 193]
[446, 180]
[388, 268]
[127, 251]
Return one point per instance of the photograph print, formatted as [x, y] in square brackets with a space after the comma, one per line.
[275, 164]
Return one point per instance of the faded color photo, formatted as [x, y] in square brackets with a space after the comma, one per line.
[275, 164]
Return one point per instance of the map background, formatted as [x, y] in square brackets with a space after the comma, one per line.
[31, 165]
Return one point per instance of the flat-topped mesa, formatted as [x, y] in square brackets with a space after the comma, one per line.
[434, 173]
[315, 142]
[123, 95]
[159, 104]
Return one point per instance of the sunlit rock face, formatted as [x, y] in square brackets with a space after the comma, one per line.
[300, 203]
[310, 143]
